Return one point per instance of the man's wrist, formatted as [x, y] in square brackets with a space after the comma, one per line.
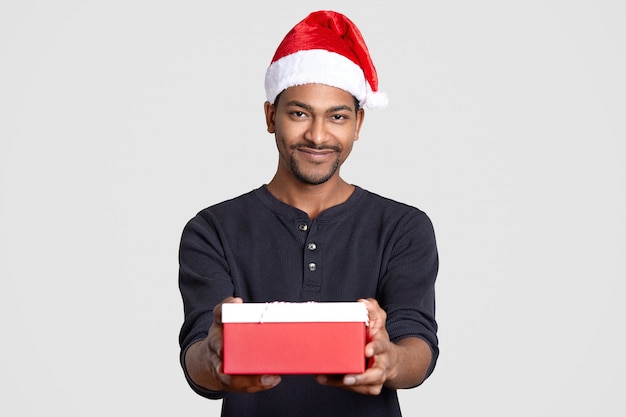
[199, 367]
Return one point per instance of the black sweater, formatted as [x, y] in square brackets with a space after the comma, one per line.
[261, 249]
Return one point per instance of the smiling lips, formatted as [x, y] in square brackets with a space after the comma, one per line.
[314, 152]
[317, 155]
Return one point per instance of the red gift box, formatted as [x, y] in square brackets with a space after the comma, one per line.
[294, 338]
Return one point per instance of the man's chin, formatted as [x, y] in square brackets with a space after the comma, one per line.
[312, 178]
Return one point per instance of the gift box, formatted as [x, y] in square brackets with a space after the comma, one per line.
[294, 338]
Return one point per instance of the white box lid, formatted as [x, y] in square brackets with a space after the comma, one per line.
[287, 312]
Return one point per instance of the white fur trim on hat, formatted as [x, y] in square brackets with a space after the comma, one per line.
[320, 66]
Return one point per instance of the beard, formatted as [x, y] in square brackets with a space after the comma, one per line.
[314, 178]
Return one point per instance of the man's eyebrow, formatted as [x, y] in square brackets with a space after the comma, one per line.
[339, 108]
[333, 109]
[298, 104]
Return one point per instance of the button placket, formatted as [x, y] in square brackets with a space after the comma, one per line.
[311, 246]
[312, 263]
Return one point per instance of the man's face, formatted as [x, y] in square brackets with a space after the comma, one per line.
[315, 127]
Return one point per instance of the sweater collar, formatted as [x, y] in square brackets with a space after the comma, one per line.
[288, 211]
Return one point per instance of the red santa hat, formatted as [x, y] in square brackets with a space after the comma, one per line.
[325, 48]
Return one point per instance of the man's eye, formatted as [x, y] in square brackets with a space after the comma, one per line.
[298, 114]
[338, 117]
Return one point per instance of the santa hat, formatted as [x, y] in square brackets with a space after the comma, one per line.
[325, 48]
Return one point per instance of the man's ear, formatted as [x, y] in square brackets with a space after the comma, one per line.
[360, 116]
[270, 112]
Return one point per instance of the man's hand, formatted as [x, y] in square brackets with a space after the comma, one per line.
[401, 365]
[204, 362]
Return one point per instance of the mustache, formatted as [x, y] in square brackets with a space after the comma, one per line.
[316, 148]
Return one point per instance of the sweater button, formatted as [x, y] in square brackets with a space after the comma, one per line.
[304, 227]
[312, 267]
[312, 246]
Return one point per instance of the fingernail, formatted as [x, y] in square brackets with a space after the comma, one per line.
[270, 380]
[349, 380]
[322, 379]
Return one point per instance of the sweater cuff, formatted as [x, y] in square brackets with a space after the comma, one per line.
[204, 392]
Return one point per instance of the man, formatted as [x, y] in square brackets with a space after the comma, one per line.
[308, 235]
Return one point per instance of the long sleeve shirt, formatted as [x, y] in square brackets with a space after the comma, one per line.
[260, 249]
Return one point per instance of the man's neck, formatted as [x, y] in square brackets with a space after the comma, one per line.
[312, 199]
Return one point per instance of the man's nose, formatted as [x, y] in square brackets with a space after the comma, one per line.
[316, 132]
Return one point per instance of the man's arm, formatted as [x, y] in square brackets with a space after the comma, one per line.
[401, 365]
[203, 362]
[412, 360]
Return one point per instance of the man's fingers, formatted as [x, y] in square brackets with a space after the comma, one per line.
[217, 310]
[253, 383]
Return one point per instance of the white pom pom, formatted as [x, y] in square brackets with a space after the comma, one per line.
[378, 100]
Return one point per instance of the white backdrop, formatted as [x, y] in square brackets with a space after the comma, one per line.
[119, 120]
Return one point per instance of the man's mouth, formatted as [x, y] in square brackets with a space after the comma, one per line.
[317, 150]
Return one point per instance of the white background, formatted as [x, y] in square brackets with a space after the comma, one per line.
[119, 120]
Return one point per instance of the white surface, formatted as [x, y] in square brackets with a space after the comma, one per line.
[119, 120]
[281, 312]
